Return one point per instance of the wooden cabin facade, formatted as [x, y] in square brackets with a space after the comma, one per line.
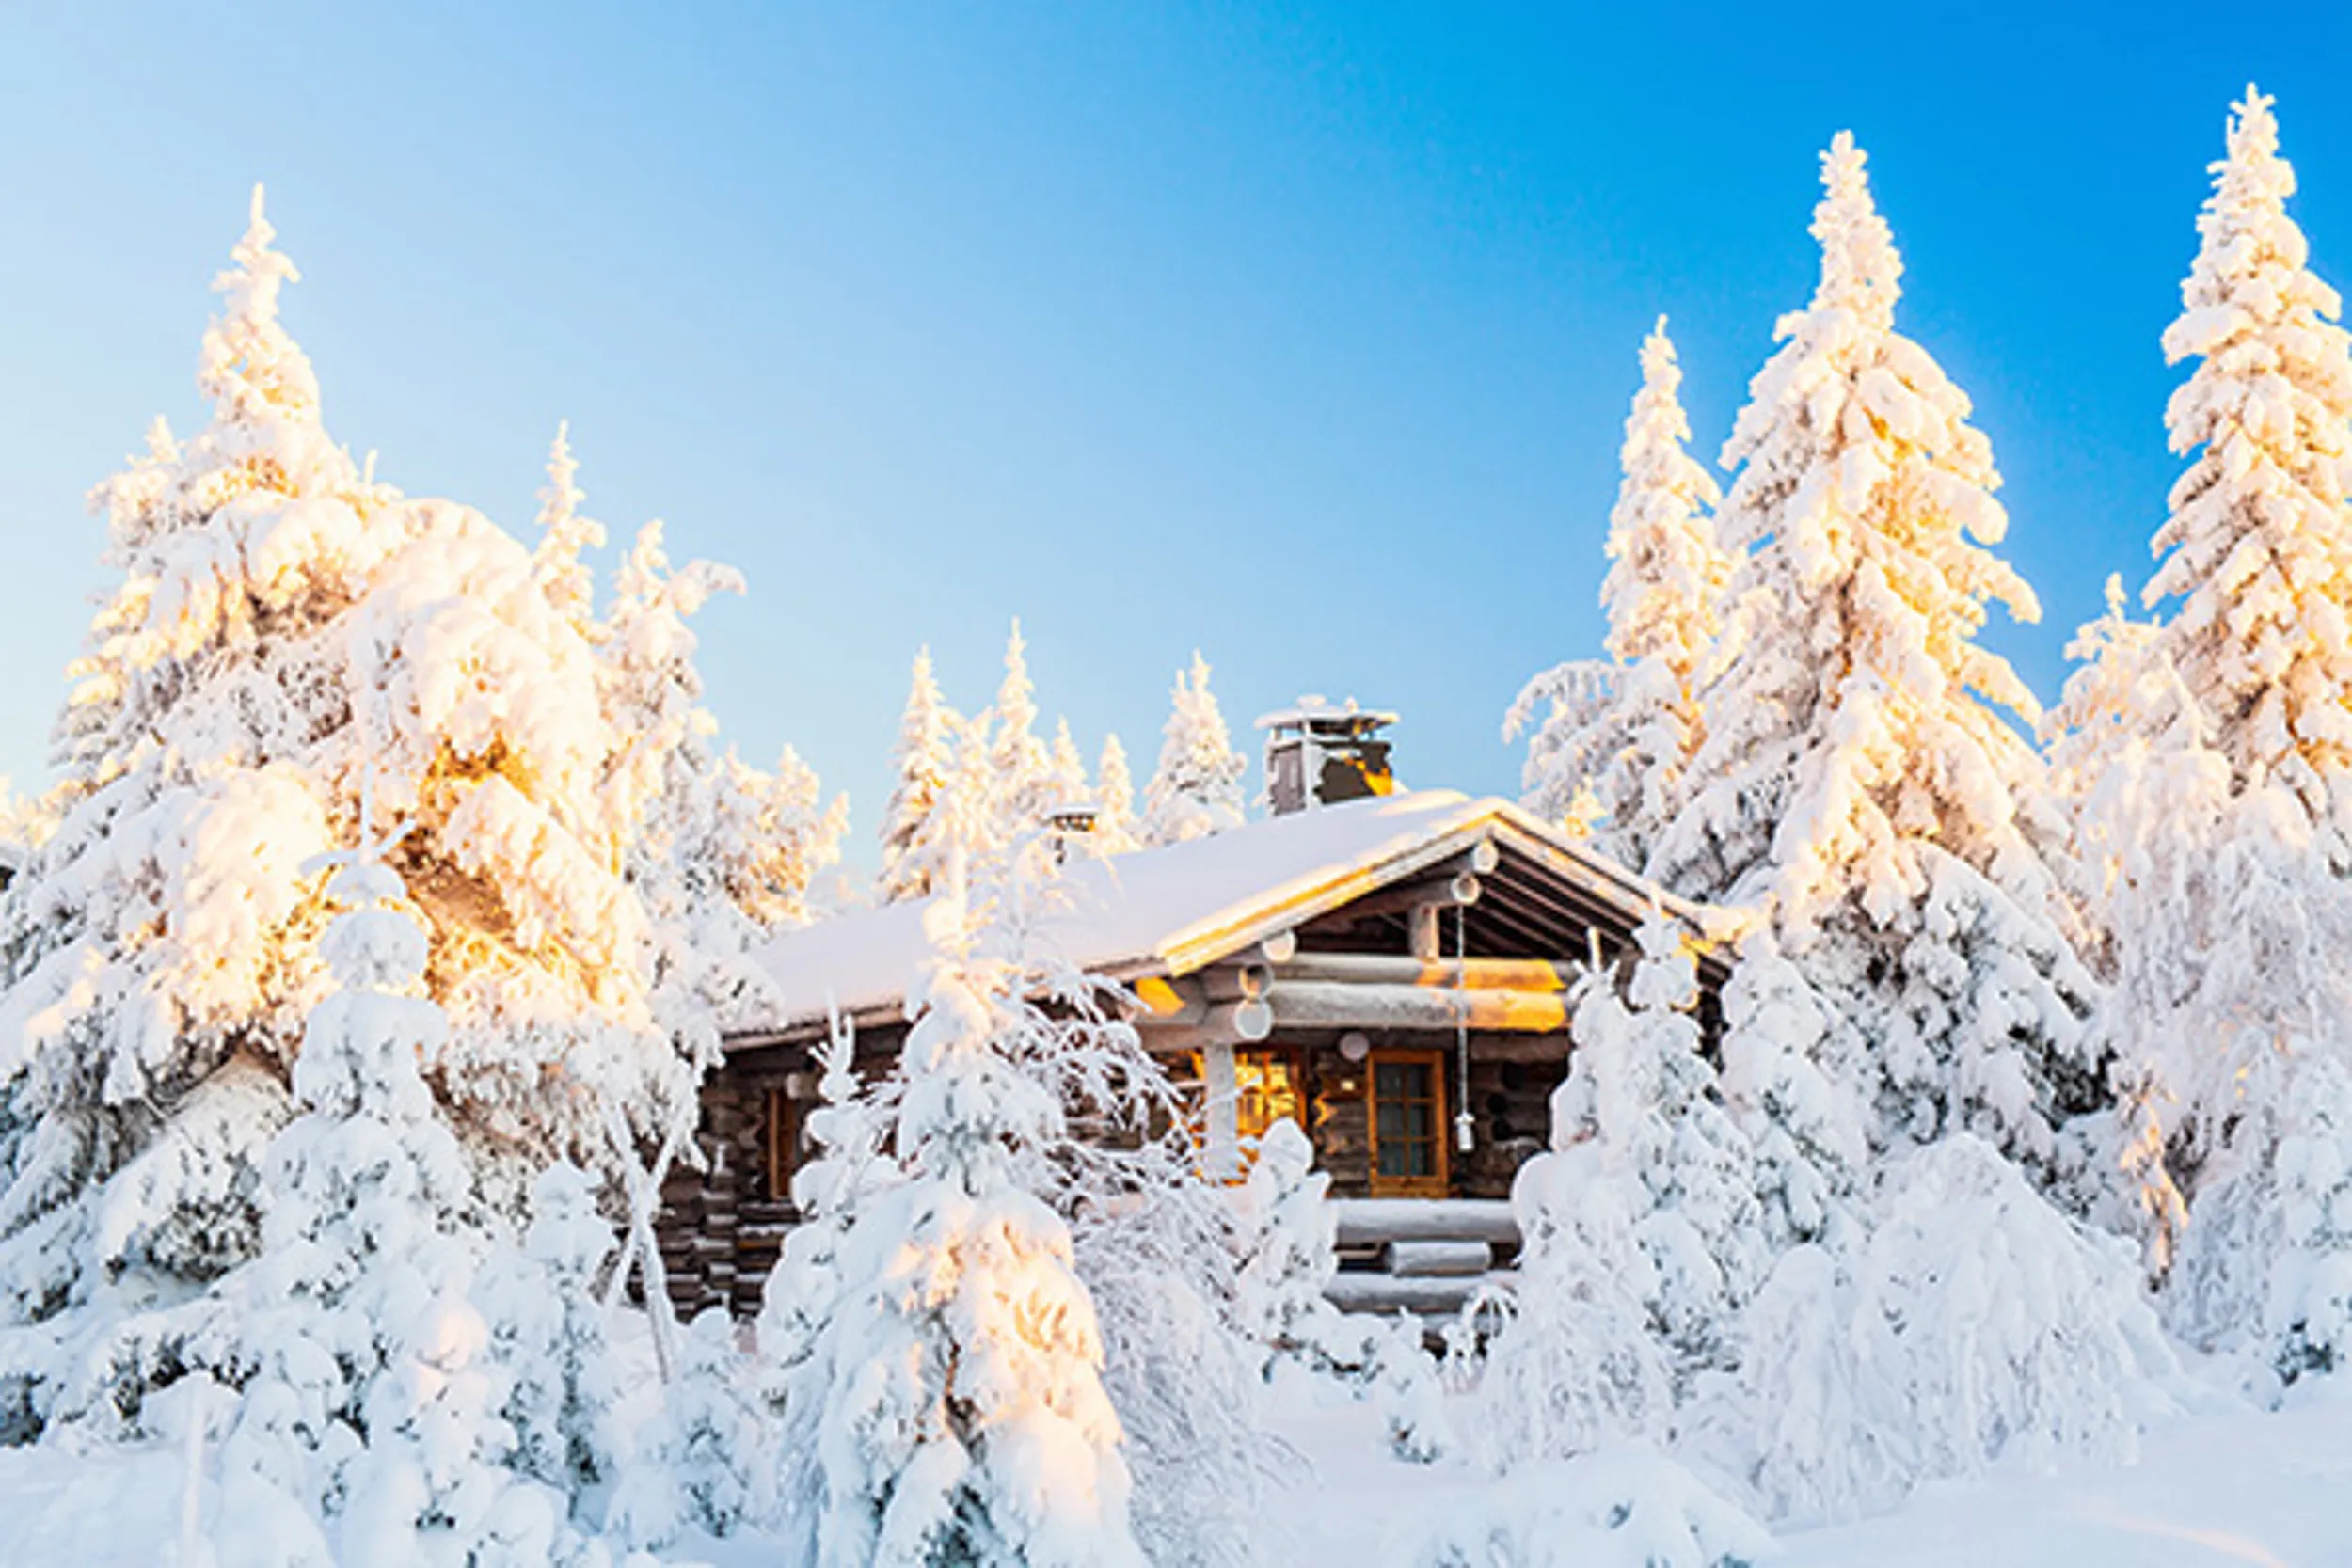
[1392, 973]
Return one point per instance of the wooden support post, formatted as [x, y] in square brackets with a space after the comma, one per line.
[1426, 944]
[1220, 1113]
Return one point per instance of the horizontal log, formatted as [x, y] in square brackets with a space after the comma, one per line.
[1436, 1259]
[1386, 1294]
[1388, 969]
[1333, 1004]
[1373, 1221]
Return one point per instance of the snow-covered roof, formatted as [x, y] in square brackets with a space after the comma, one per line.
[1175, 910]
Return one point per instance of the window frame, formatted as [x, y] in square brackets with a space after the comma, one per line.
[1438, 1184]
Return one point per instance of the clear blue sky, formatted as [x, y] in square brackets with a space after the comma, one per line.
[1298, 334]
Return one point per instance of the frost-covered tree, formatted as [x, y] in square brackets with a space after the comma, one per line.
[1069, 771]
[961, 1415]
[1113, 801]
[1975, 1324]
[369, 1405]
[2258, 548]
[705, 1463]
[2204, 761]
[1196, 790]
[1287, 1239]
[916, 830]
[1857, 775]
[279, 627]
[1641, 1226]
[1639, 1090]
[722, 853]
[548, 1333]
[1795, 1106]
[1625, 755]
[564, 535]
[1020, 781]
[846, 1133]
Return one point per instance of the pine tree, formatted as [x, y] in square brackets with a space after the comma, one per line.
[368, 1399]
[1794, 1103]
[1856, 774]
[914, 830]
[281, 628]
[1021, 779]
[564, 532]
[1663, 595]
[2204, 760]
[1115, 800]
[961, 1415]
[1068, 770]
[2258, 548]
[1196, 790]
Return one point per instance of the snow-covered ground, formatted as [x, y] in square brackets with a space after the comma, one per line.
[2228, 1485]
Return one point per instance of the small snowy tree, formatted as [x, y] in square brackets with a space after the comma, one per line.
[1640, 1091]
[1287, 1241]
[1856, 775]
[915, 832]
[1799, 1118]
[549, 1332]
[1976, 1323]
[367, 1395]
[1020, 779]
[961, 1411]
[2257, 549]
[1113, 801]
[1625, 755]
[1196, 790]
[564, 534]
[704, 1463]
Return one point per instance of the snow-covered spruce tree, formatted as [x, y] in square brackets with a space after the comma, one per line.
[280, 626]
[369, 1407]
[1196, 790]
[1286, 1239]
[547, 1332]
[1068, 770]
[722, 853]
[846, 1132]
[1642, 1240]
[2205, 760]
[1662, 594]
[564, 535]
[1020, 782]
[1797, 1109]
[961, 1415]
[2258, 548]
[1976, 1323]
[1856, 775]
[706, 1462]
[1639, 1089]
[1113, 801]
[914, 833]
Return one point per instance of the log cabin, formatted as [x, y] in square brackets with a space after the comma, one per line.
[1392, 969]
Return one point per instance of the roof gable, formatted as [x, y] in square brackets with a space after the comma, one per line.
[1173, 911]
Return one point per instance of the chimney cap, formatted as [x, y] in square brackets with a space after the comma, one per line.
[1317, 712]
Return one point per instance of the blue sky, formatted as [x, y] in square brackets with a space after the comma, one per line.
[1302, 335]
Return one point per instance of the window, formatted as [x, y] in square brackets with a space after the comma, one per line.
[1266, 1083]
[1407, 1124]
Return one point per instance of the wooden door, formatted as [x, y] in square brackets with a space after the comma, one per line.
[1405, 1117]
